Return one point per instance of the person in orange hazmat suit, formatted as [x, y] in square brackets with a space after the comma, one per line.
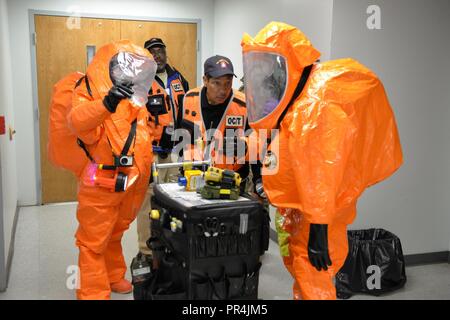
[336, 136]
[109, 117]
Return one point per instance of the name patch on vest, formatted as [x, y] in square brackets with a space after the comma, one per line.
[177, 87]
[234, 121]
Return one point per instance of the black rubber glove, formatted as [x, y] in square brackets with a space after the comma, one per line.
[318, 246]
[116, 94]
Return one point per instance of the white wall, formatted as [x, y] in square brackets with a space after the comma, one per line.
[8, 177]
[411, 55]
[20, 50]
[233, 18]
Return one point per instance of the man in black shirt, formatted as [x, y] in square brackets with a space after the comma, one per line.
[216, 106]
[164, 73]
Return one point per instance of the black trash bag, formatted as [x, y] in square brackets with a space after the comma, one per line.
[374, 265]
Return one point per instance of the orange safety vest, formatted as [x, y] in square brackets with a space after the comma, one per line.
[234, 117]
[172, 101]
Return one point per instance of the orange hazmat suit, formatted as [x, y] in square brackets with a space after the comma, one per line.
[103, 214]
[337, 136]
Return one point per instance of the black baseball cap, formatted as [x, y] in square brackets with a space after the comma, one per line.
[154, 42]
[217, 66]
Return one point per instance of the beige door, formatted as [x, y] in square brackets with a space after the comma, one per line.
[61, 50]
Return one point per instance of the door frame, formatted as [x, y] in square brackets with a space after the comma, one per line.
[3, 275]
[31, 16]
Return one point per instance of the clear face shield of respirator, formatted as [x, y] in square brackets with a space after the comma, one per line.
[265, 83]
[129, 68]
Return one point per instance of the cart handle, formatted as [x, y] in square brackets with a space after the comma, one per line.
[156, 166]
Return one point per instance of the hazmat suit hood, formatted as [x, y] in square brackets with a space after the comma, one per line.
[125, 63]
[274, 61]
[122, 62]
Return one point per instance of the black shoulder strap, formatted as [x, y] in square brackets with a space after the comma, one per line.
[130, 138]
[83, 146]
[298, 90]
[239, 102]
[80, 142]
[192, 94]
[86, 80]
[79, 81]
[88, 86]
[126, 147]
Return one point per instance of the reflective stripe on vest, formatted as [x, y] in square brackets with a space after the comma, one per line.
[234, 118]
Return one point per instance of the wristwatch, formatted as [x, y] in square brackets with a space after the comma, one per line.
[259, 189]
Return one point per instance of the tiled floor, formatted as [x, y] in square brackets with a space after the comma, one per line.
[45, 250]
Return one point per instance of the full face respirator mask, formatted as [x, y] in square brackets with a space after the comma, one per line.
[133, 70]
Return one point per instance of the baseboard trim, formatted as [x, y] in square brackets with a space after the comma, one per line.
[427, 258]
[11, 245]
[410, 259]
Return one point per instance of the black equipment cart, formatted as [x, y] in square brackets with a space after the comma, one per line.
[204, 249]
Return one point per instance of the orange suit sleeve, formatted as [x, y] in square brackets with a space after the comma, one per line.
[86, 115]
